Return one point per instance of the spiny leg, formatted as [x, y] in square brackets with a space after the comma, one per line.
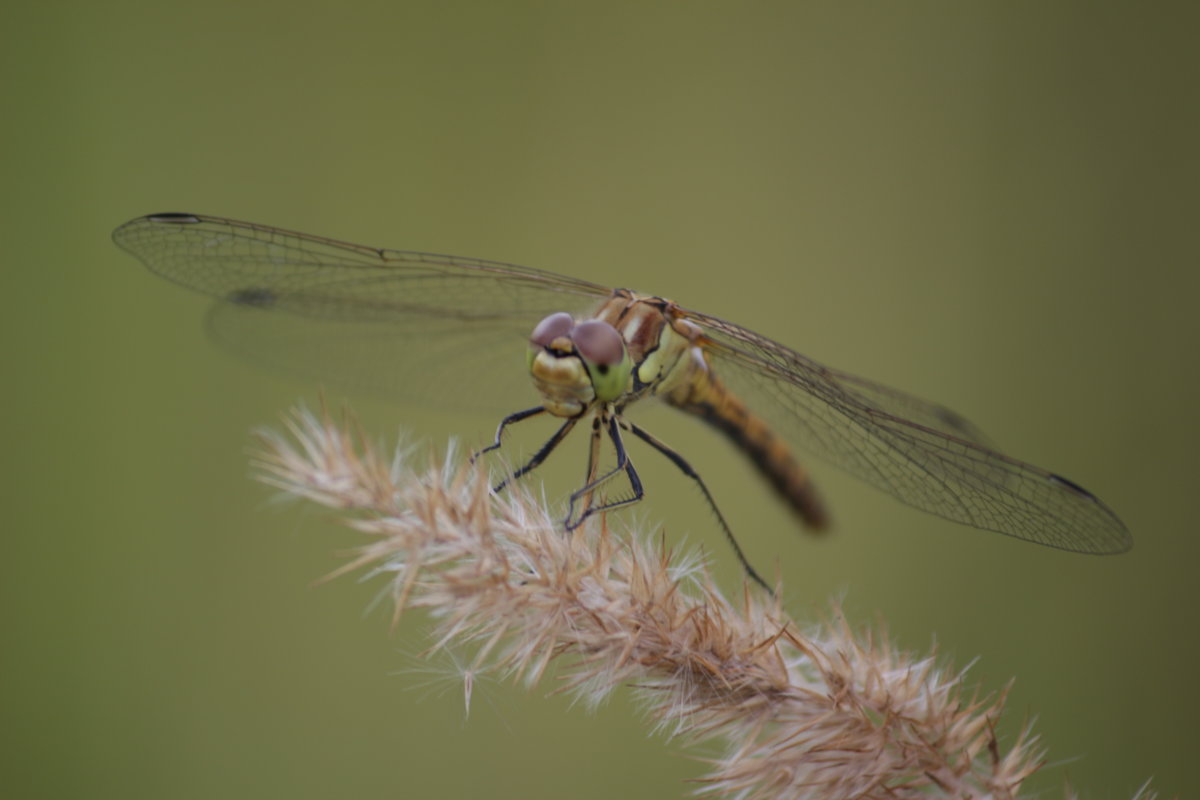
[504, 423]
[623, 465]
[540, 455]
[687, 470]
[593, 461]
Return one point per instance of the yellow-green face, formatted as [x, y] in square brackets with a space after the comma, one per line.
[576, 364]
[603, 352]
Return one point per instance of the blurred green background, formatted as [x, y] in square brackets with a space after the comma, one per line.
[990, 204]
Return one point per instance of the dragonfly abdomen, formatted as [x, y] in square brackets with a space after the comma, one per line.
[716, 405]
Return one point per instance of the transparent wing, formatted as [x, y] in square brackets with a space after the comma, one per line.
[921, 453]
[421, 326]
[410, 326]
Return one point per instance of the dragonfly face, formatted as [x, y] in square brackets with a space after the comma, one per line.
[315, 305]
[575, 365]
[633, 345]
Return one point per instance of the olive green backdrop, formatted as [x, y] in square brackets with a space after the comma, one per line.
[990, 204]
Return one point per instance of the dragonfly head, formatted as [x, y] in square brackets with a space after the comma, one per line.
[574, 364]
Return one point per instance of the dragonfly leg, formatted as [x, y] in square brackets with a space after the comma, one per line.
[540, 455]
[593, 462]
[623, 465]
[504, 423]
[687, 470]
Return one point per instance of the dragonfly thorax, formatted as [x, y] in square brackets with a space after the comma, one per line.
[576, 364]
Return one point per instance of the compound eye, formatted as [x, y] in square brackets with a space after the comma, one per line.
[598, 343]
[552, 327]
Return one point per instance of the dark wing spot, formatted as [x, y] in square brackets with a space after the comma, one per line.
[1074, 487]
[174, 218]
[256, 297]
[952, 418]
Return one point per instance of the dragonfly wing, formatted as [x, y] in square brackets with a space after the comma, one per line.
[427, 363]
[226, 258]
[921, 453]
[407, 325]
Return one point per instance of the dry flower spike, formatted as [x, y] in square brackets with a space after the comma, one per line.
[830, 713]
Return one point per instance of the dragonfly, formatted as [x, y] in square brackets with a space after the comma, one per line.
[429, 327]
